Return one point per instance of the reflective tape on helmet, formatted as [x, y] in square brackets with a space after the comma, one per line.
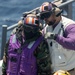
[31, 20]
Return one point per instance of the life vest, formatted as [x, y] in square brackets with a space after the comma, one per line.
[61, 57]
[21, 60]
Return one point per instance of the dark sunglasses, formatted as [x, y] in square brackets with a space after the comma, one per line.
[44, 15]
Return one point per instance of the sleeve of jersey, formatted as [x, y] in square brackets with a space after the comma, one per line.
[68, 41]
[39, 53]
[43, 59]
[4, 64]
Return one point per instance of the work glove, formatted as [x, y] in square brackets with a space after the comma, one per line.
[50, 35]
[61, 72]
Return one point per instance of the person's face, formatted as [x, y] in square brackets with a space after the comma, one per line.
[51, 20]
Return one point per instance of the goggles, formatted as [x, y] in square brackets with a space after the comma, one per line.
[46, 10]
[44, 15]
[31, 29]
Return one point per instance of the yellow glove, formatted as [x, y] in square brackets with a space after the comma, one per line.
[61, 72]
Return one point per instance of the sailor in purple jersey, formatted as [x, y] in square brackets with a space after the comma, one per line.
[60, 34]
[26, 52]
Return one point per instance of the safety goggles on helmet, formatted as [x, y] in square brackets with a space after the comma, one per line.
[31, 29]
[44, 15]
[46, 10]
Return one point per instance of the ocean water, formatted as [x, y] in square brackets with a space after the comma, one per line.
[11, 11]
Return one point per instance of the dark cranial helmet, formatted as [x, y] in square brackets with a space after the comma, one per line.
[28, 28]
[31, 26]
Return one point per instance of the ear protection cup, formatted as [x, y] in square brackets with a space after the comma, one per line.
[58, 11]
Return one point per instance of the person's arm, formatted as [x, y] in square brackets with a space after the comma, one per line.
[43, 58]
[4, 64]
[68, 41]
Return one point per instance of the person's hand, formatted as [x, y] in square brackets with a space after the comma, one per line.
[49, 35]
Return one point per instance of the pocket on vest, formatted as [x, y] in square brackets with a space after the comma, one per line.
[60, 59]
[13, 63]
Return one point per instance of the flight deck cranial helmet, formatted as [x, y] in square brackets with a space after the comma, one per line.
[61, 72]
[31, 24]
[47, 8]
